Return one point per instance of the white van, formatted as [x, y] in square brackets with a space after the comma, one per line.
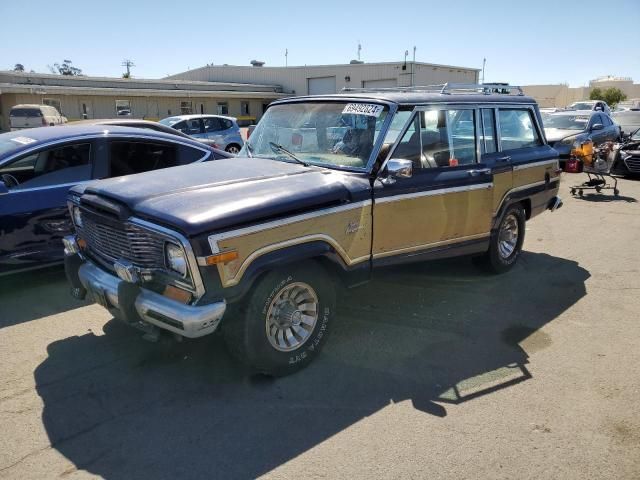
[29, 116]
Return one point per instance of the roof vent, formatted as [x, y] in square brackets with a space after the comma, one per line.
[356, 62]
[257, 63]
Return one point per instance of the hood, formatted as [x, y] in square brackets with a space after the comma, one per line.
[555, 134]
[216, 195]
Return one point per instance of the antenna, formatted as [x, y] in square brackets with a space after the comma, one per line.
[128, 63]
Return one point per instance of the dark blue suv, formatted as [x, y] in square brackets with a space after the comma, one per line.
[39, 165]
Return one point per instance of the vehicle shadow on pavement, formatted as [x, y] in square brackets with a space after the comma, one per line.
[433, 334]
[21, 296]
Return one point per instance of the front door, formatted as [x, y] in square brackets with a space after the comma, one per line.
[447, 201]
[33, 210]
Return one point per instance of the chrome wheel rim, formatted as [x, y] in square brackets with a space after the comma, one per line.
[508, 236]
[292, 317]
[233, 149]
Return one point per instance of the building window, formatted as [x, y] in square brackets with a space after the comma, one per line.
[223, 108]
[53, 102]
[123, 108]
[186, 108]
[244, 108]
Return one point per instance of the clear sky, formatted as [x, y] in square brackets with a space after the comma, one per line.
[524, 42]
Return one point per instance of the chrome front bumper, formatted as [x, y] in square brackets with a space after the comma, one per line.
[186, 320]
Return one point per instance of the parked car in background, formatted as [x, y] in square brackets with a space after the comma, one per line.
[569, 129]
[627, 157]
[595, 105]
[157, 127]
[631, 104]
[629, 121]
[224, 131]
[38, 166]
[30, 116]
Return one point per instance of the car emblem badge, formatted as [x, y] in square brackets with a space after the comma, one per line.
[353, 227]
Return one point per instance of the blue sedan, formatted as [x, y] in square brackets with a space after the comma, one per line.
[38, 166]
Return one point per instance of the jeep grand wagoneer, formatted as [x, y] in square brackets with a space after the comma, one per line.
[327, 189]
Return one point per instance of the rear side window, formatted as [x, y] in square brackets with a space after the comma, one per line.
[517, 129]
[127, 158]
[25, 112]
[226, 123]
[212, 125]
[190, 155]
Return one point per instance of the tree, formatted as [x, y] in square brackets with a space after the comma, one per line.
[611, 95]
[18, 67]
[66, 68]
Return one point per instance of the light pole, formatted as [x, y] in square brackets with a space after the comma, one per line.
[484, 62]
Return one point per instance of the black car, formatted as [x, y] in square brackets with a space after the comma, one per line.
[39, 165]
[569, 129]
[627, 157]
[629, 121]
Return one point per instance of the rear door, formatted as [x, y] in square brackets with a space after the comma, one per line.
[33, 213]
[446, 203]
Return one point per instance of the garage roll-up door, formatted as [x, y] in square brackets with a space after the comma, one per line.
[321, 85]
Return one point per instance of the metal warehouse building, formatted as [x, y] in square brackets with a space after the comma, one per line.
[78, 97]
[320, 79]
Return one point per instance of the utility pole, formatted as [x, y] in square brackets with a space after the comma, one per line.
[359, 49]
[286, 57]
[128, 63]
[484, 62]
[413, 66]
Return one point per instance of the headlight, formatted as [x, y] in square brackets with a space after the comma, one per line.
[175, 259]
[569, 141]
[77, 218]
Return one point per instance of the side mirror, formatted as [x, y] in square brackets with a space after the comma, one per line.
[597, 126]
[398, 168]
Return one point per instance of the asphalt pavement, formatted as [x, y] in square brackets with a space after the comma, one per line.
[433, 370]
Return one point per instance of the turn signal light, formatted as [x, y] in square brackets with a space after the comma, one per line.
[223, 257]
[177, 294]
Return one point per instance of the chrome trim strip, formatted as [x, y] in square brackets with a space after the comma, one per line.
[213, 239]
[191, 258]
[523, 187]
[428, 246]
[534, 164]
[428, 193]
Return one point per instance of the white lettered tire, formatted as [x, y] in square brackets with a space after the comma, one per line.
[285, 321]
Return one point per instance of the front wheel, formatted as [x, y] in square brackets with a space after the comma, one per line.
[233, 148]
[285, 321]
[506, 242]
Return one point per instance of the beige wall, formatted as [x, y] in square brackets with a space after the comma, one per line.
[150, 108]
[561, 95]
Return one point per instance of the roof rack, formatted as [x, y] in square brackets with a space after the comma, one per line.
[448, 88]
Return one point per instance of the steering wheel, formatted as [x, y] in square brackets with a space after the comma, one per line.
[9, 180]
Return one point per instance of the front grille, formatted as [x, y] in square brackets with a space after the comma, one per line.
[126, 241]
[633, 164]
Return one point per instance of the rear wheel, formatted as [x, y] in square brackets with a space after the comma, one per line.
[285, 321]
[233, 148]
[506, 242]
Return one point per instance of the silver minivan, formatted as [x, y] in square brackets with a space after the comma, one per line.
[30, 116]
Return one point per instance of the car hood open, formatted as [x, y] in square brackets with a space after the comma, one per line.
[216, 195]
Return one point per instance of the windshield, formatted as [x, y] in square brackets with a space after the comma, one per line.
[169, 121]
[331, 134]
[566, 122]
[626, 118]
[581, 106]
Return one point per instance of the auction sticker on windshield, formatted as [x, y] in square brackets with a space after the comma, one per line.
[368, 109]
[23, 140]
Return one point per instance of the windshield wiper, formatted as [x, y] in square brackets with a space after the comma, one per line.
[279, 148]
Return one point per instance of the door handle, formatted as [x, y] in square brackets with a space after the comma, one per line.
[504, 159]
[482, 171]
